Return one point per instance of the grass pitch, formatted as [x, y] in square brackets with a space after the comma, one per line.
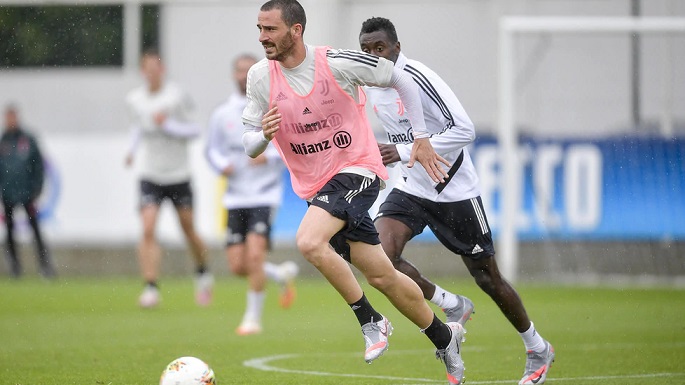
[90, 331]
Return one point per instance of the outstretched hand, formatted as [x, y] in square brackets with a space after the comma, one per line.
[422, 151]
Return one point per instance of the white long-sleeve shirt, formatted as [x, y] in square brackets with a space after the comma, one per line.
[249, 185]
[450, 127]
[164, 157]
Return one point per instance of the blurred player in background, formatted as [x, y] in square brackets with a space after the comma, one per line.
[162, 128]
[307, 100]
[254, 192]
[453, 209]
[21, 180]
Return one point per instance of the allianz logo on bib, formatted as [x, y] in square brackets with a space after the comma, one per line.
[341, 139]
[333, 121]
[304, 149]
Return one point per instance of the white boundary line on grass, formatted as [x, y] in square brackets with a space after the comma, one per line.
[263, 364]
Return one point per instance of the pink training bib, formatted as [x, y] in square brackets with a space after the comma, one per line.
[322, 132]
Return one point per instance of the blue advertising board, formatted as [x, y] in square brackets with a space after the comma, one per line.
[624, 188]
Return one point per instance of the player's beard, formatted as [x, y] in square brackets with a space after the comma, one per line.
[283, 48]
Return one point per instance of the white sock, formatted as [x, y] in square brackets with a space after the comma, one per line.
[532, 339]
[444, 299]
[255, 304]
[273, 272]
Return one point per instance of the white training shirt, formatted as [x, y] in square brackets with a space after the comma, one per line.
[250, 185]
[446, 120]
[164, 158]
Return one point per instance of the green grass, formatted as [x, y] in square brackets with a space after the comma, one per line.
[90, 331]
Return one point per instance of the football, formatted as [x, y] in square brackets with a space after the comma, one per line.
[187, 371]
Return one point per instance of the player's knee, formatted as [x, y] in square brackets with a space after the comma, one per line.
[305, 246]
[255, 261]
[484, 280]
[237, 265]
[378, 283]
[396, 260]
[311, 250]
[383, 282]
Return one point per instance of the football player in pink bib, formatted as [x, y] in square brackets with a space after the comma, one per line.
[307, 100]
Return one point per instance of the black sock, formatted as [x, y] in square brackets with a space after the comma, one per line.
[152, 284]
[201, 269]
[364, 311]
[439, 333]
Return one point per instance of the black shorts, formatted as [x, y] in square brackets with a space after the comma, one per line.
[242, 221]
[349, 197]
[180, 194]
[461, 226]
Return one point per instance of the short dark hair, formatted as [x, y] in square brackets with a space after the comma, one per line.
[375, 24]
[291, 11]
[151, 51]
